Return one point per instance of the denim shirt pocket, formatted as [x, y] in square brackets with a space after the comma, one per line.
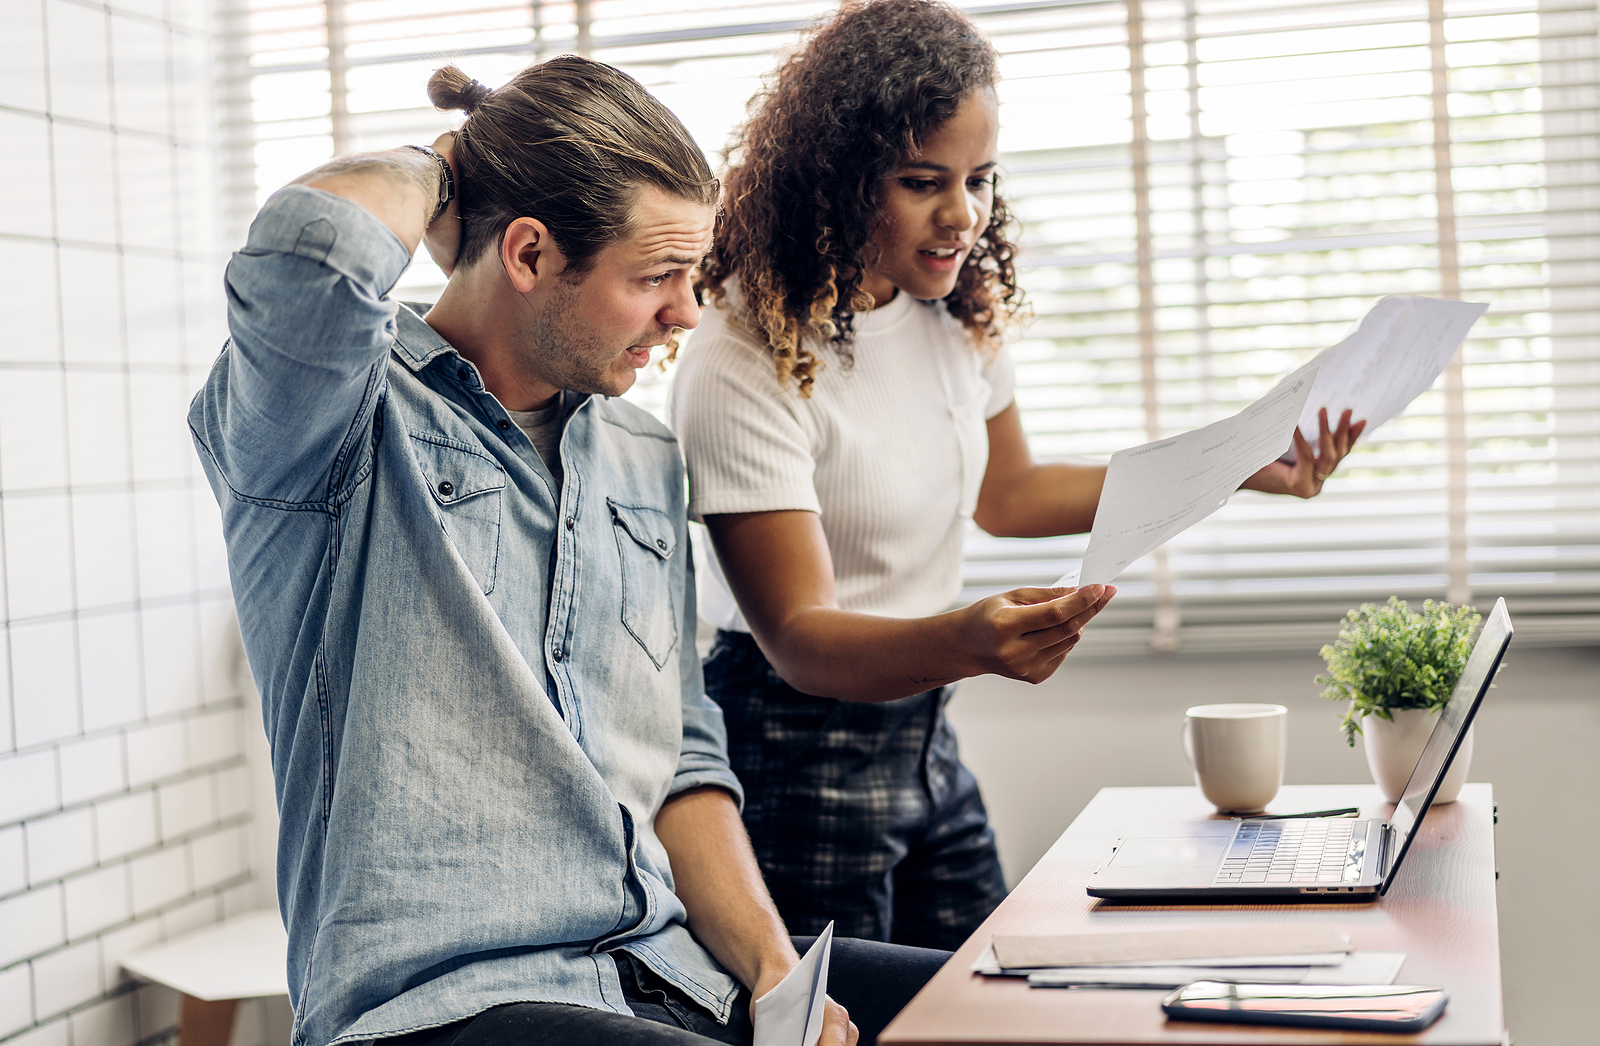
[467, 488]
[646, 541]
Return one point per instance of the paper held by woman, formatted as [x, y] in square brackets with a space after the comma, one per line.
[1156, 491]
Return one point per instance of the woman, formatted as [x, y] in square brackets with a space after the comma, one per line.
[845, 407]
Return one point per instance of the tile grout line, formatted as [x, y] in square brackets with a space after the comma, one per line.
[217, 767]
[238, 820]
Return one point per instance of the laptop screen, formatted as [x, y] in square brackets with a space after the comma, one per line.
[1453, 722]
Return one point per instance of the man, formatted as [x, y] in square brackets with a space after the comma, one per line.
[464, 583]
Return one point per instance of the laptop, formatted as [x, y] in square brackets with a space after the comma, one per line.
[1301, 859]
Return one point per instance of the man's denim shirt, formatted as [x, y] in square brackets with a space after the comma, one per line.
[478, 693]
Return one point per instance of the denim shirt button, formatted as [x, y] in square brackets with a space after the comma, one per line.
[570, 522]
[446, 487]
[504, 424]
[461, 372]
[555, 655]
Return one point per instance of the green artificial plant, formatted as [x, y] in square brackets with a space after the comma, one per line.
[1391, 657]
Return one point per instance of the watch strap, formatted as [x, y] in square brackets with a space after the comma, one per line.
[447, 181]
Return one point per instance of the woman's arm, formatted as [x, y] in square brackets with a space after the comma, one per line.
[1022, 499]
[781, 572]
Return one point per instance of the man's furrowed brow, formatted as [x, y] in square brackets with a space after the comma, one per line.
[676, 258]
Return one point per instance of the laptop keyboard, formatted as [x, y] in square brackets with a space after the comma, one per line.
[1292, 851]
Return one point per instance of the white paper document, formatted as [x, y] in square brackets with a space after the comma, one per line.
[1157, 491]
[1357, 968]
[987, 964]
[1161, 947]
[791, 1013]
[1400, 348]
[1163, 488]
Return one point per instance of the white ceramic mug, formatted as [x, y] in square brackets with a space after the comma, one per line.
[1237, 752]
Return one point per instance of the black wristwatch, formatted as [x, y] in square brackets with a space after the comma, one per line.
[447, 181]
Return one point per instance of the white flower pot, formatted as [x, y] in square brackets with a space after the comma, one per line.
[1394, 748]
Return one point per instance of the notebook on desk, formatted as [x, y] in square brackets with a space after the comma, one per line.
[1303, 859]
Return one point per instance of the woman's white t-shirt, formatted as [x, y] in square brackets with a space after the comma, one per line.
[889, 451]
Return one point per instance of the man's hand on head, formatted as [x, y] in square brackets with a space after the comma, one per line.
[443, 235]
[399, 187]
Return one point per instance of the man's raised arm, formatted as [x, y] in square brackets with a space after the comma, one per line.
[311, 324]
[407, 189]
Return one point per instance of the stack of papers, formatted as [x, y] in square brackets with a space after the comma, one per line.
[1396, 353]
[1169, 958]
[1157, 491]
[1161, 489]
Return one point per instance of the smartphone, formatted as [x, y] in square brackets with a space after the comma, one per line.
[1364, 1007]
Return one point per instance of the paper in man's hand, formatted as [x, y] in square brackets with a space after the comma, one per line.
[791, 1013]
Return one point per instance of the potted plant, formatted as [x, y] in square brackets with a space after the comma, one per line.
[1397, 667]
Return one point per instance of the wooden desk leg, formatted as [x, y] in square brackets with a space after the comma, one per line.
[202, 1023]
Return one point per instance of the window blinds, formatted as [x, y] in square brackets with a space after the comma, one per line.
[1211, 191]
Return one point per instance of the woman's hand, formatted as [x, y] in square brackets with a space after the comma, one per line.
[443, 235]
[781, 572]
[1311, 468]
[1025, 634]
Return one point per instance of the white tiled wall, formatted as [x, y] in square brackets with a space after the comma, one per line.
[125, 807]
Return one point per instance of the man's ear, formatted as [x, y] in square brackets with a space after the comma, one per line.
[529, 254]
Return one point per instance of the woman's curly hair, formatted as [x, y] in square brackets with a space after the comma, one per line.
[864, 89]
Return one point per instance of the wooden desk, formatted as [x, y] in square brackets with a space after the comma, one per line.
[1441, 913]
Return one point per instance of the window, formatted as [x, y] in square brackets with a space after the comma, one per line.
[1212, 191]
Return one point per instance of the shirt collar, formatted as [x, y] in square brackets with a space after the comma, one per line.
[874, 321]
[416, 343]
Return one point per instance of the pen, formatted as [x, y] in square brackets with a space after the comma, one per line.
[1099, 986]
[1343, 811]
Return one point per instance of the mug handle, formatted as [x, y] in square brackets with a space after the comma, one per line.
[1188, 738]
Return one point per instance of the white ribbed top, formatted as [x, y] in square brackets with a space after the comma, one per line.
[890, 452]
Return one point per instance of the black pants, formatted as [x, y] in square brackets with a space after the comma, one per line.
[860, 813]
[873, 981]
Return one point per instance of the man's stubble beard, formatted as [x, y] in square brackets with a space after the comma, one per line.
[552, 345]
[557, 349]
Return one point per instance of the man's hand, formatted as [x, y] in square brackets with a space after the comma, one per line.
[1311, 468]
[730, 911]
[400, 188]
[443, 236]
[1025, 634]
[837, 1027]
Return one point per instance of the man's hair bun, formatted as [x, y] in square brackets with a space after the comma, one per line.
[450, 89]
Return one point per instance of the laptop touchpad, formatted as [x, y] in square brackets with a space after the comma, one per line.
[1170, 852]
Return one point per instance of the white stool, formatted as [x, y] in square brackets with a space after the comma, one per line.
[214, 967]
